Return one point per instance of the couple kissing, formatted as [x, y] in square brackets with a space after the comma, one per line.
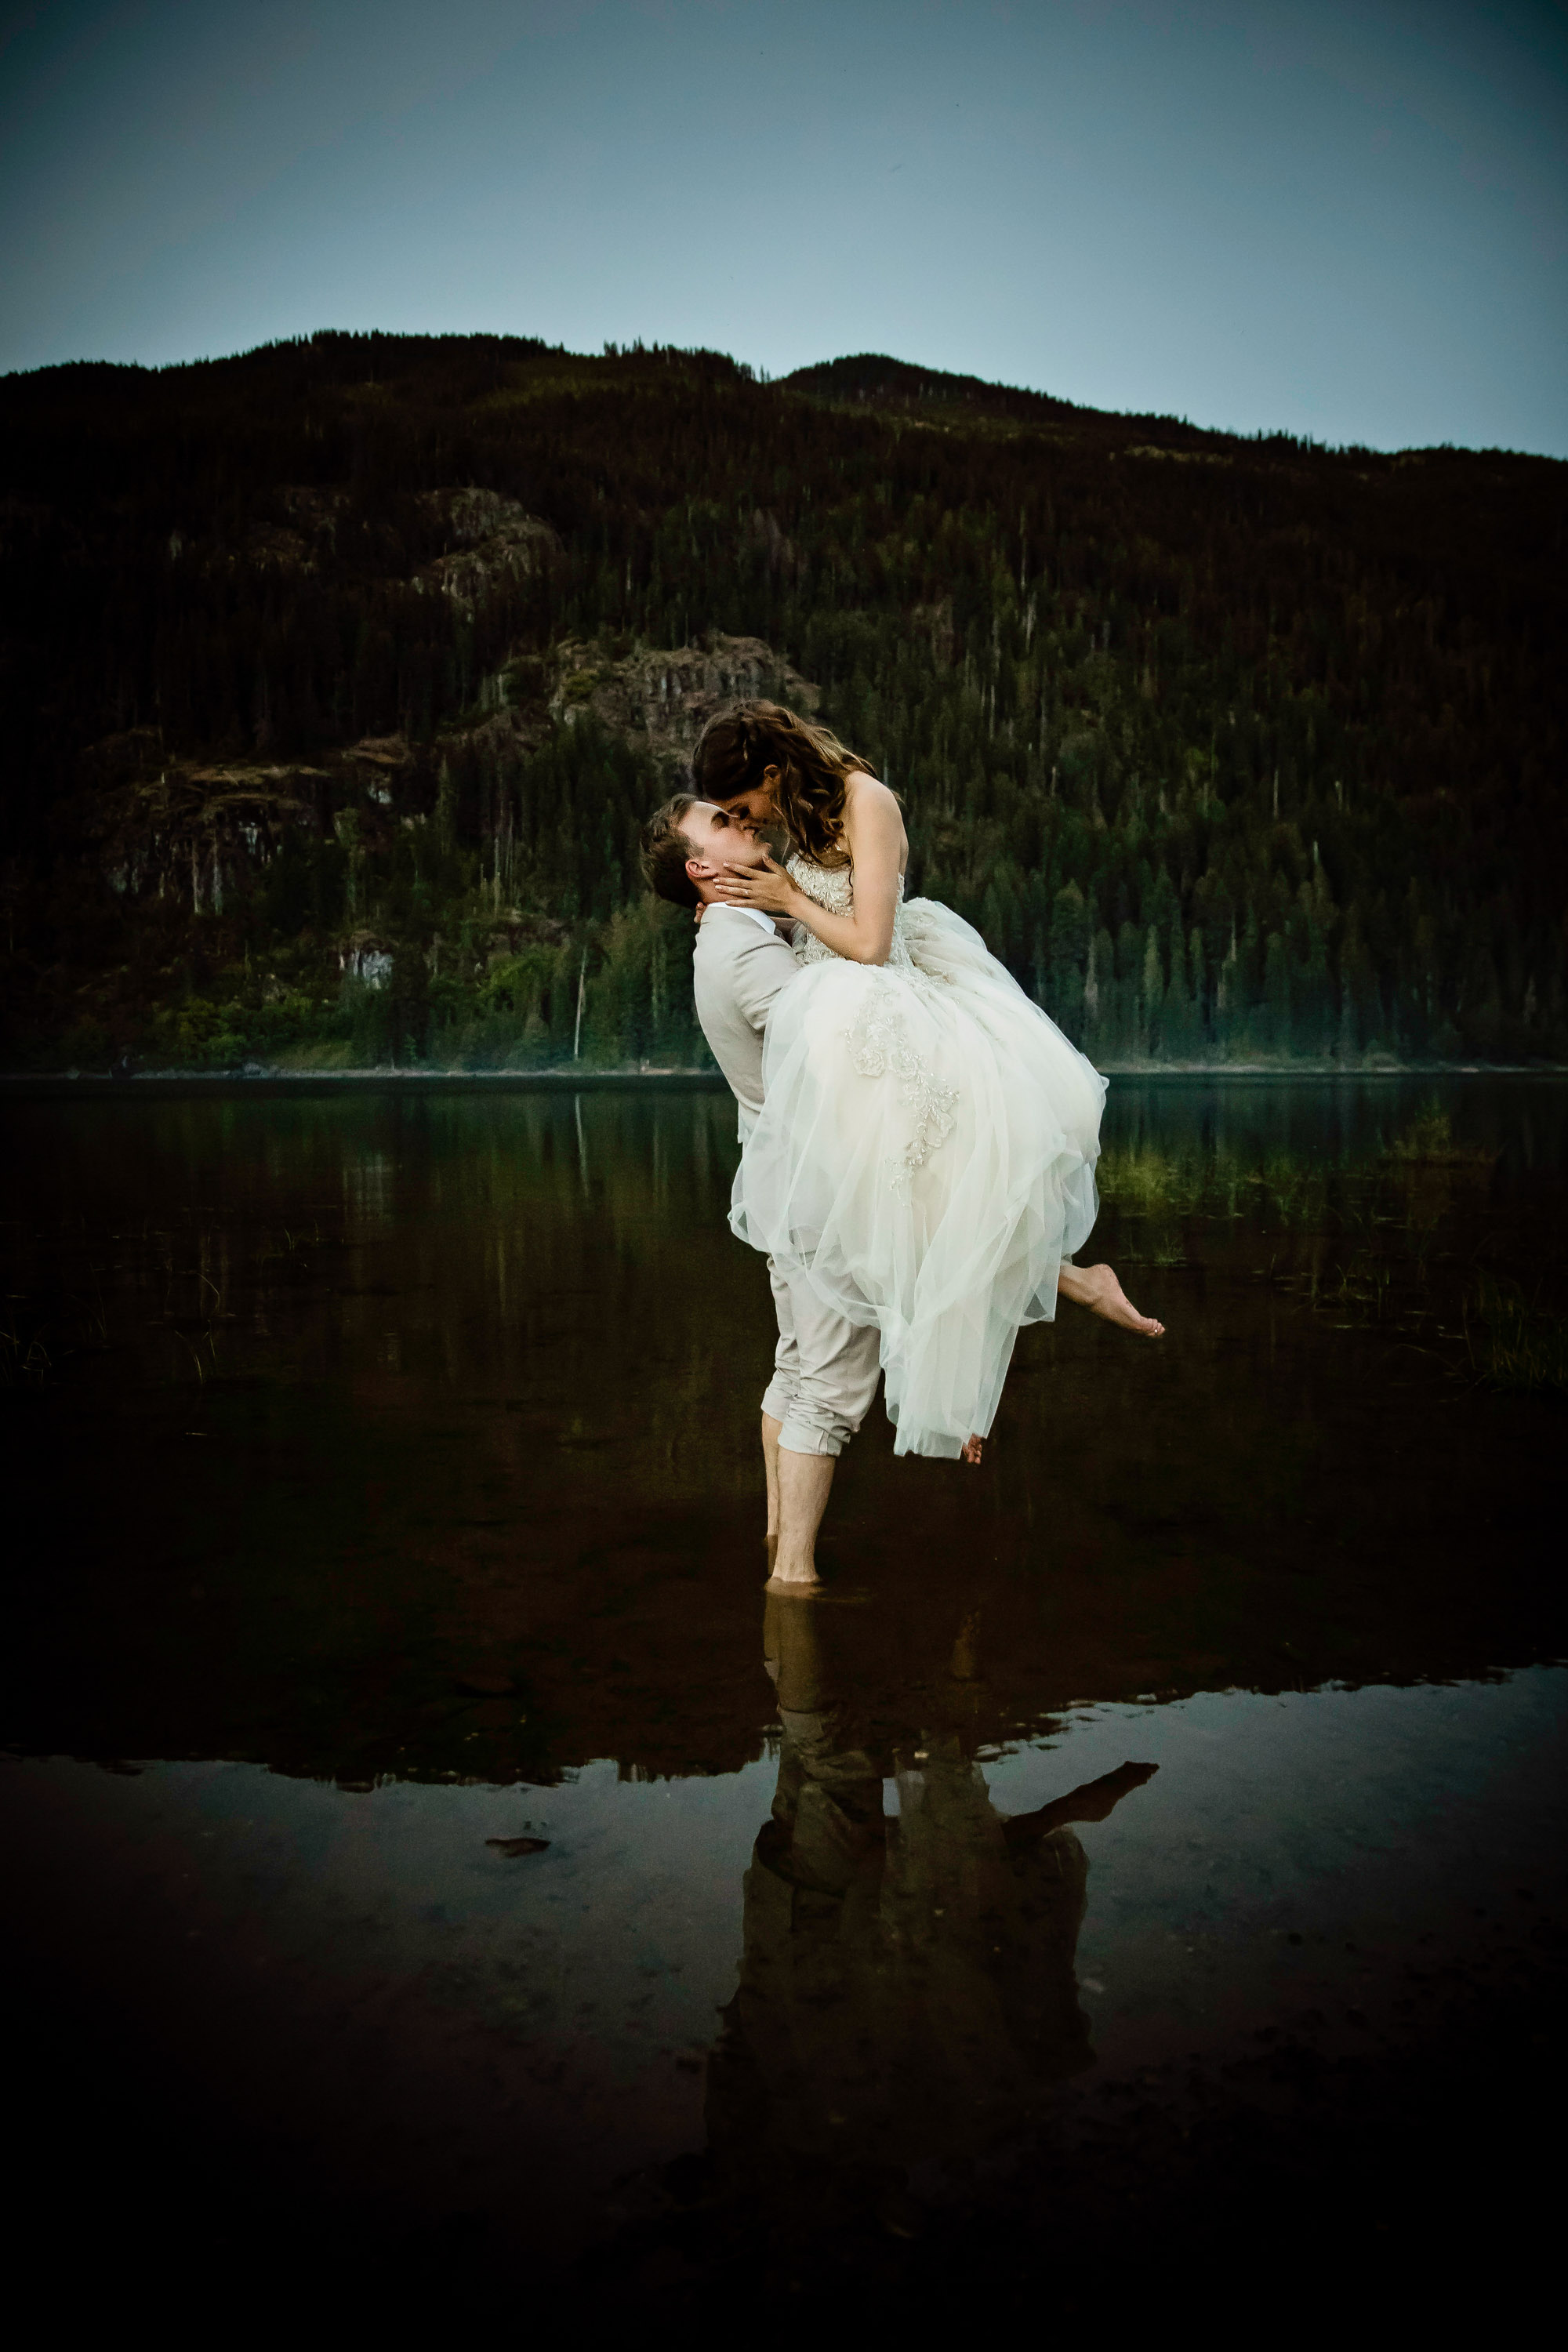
[919, 1138]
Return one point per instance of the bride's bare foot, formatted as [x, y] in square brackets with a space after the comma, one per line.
[973, 1450]
[1096, 1287]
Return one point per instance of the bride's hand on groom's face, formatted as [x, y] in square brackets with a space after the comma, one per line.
[766, 888]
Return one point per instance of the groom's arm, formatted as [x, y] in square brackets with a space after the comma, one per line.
[740, 971]
[763, 966]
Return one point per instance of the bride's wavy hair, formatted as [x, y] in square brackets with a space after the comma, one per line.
[814, 767]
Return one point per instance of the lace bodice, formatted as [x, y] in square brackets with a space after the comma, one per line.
[877, 1037]
[833, 887]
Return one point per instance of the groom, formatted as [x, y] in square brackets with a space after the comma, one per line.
[825, 1370]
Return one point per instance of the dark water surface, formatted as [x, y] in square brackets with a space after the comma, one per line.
[1170, 1809]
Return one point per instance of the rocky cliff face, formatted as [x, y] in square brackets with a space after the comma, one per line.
[196, 833]
[196, 840]
[494, 541]
[486, 541]
[661, 701]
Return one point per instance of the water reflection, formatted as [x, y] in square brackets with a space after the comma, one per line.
[402, 1450]
[322, 1405]
[907, 1991]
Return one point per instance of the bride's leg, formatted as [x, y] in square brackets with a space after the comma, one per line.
[1096, 1287]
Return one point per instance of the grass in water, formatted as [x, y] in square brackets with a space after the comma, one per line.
[1427, 1142]
[1144, 1182]
[25, 1361]
[1514, 1342]
[1140, 1181]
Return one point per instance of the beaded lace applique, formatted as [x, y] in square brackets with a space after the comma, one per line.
[878, 1041]
[833, 887]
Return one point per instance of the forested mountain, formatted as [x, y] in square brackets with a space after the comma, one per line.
[338, 676]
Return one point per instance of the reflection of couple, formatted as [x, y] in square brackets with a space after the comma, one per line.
[906, 1986]
[919, 1140]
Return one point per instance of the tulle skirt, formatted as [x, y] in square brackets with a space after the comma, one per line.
[925, 1160]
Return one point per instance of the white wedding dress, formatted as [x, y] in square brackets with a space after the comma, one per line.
[925, 1156]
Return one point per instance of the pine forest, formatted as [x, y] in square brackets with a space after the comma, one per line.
[340, 675]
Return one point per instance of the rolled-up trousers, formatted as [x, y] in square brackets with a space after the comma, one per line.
[825, 1370]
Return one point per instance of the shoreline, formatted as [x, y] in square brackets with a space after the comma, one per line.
[18, 1085]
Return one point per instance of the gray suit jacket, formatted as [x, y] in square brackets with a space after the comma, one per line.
[737, 971]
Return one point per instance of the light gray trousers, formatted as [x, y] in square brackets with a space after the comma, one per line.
[825, 1370]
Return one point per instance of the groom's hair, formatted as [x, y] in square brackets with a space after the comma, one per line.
[665, 850]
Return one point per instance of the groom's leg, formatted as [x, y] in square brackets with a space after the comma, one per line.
[806, 1481]
[780, 1396]
[834, 1370]
[771, 1429]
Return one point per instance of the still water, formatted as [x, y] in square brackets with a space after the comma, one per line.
[411, 1798]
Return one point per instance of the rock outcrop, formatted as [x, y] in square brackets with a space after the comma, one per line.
[494, 541]
[661, 701]
[486, 540]
[200, 834]
[190, 831]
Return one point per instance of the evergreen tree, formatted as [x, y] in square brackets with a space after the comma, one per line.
[1070, 951]
[1152, 994]
[1198, 1031]
[1274, 1023]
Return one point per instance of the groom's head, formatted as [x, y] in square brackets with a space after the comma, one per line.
[687, 844]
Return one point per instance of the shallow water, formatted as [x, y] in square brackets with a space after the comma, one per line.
[385, 1474]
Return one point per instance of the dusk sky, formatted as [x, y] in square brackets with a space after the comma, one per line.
[1346, 220]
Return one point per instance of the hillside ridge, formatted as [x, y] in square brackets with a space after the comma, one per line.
[342, 673]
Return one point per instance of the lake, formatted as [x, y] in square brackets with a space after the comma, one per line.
[426, 1842]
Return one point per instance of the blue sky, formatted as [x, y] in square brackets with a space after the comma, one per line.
[1349, 221]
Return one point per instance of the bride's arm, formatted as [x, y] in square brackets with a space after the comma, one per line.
[874, 834]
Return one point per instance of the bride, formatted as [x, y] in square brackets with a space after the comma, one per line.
[926, 1152]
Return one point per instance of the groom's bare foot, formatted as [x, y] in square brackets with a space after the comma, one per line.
[803, 1585]
[973, 1450]
[1096, 1287]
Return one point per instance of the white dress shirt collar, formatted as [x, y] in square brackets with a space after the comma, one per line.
[753, 915]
